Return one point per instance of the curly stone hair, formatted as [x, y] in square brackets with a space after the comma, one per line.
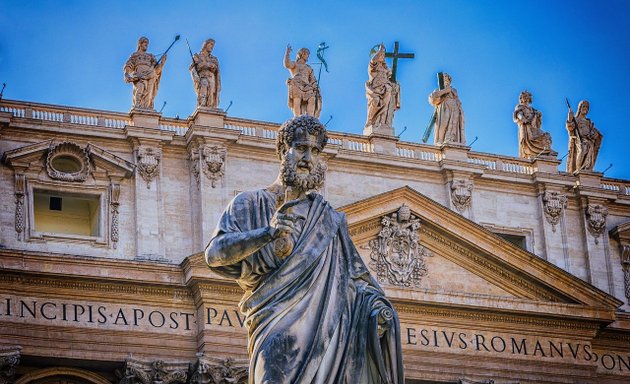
[295, 126]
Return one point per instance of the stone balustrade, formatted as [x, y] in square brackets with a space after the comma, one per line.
[268, 131]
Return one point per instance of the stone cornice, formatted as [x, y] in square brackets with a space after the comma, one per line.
[509, 263]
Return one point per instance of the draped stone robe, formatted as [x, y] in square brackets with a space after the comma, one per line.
[312, 318]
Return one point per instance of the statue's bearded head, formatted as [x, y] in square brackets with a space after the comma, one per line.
[583, 108]
[143, 44]
[525, 98]
[299, 145]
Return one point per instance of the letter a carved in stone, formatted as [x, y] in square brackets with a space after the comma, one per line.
[554, 203]
[396, 254]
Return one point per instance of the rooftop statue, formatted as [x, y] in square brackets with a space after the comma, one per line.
[449, 115]
[304, 95]
[143, 71]
[382, 93]
[205, 73]
[584, 140]
[313, 311]
[532, 141]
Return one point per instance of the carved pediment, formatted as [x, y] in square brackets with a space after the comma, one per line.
[67, 161]
[470, 262]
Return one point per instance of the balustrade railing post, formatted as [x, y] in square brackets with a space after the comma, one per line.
[28, 113]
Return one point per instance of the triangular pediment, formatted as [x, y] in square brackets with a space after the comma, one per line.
[468, 265]
[34, 155]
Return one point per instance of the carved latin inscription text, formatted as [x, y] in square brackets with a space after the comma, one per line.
[554, 203]
[396, 254]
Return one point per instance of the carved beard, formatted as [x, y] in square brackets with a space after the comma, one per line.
[291, 178]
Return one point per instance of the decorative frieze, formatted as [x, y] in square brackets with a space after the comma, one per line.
[461, 193]
[625, 263]
[114, 202]
[157, 372]
[9, 359]
[67, 161]
[148, 161]
[397, 256]
[212, 370]
[554, 204]
[20, 191]
[596, 220]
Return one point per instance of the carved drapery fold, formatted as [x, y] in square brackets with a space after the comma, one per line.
[156, 372]
[114, 202]
[212, 370]
[148, 161]
[9, 359]
[461, 193]
[20, 191]
[554, 204]
[397, 256]
[596, 220]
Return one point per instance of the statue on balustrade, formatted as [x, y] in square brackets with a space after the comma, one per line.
[382, 93]
[304, 95]
[143, 71]
[205, 73]
[584, 140]
[449, 116]
[532, 140]
[313, 311]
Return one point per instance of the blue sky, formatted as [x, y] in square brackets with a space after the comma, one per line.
[72, 53]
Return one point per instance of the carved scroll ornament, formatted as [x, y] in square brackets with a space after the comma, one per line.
[148, 162]
[20, 191]
[213, 162]
[211, 370]
[554, 204]
[157, 372]
[461, 194]
[9, 359]
[396, 254]
[596, 220]
[114, 202]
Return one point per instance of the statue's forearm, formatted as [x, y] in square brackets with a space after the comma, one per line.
[230, 248]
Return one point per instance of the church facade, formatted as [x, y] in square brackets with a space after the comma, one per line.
[502, 269]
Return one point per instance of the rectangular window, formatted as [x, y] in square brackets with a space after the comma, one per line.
[519, 241]
[67, 213]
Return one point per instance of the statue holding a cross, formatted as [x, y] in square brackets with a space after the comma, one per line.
[382, 92]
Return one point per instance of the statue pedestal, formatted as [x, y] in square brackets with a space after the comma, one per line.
[385, 144]
[546, 164]
[208, 117]
[380, 129]
[589, 179]
[145, 118]
[455, 152]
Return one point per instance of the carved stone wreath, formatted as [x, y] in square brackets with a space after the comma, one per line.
[67, 161]
[554, 203]
[461, 194]
[596, 219]
[396, 255]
